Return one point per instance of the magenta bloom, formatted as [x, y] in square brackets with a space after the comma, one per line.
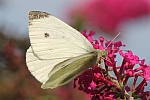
[108, 14]
[101, 85]
[146, 71]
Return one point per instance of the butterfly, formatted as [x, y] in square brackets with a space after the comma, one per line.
[58, 53]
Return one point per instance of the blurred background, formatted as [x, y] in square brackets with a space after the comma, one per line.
[106, 17]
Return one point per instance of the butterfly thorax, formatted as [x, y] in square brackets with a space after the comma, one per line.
[101, 54]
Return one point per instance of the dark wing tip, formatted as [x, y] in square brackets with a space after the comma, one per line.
[37, 15]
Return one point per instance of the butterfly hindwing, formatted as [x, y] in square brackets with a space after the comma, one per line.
[71, 69]
[40, 68]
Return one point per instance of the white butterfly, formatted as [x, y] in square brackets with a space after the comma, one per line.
[58, 53]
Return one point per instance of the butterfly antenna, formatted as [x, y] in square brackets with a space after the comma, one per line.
[113, 39]
[110, 43]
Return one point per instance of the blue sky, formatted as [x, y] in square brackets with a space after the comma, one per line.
[14, 13]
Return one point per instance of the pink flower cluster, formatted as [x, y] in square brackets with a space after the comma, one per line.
[108, 14]
[101, 85]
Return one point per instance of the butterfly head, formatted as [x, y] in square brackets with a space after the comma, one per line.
[102, 53]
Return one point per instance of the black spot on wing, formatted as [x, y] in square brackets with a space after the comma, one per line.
[46, 35]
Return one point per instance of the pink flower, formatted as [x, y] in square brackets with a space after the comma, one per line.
[146, 71]
[107, 15]
[92, 85]
[130, 72]
[101, 85]
[132, 59]
[127, 88]
[89, 36]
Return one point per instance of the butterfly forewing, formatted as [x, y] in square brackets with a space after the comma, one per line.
[61, 41]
